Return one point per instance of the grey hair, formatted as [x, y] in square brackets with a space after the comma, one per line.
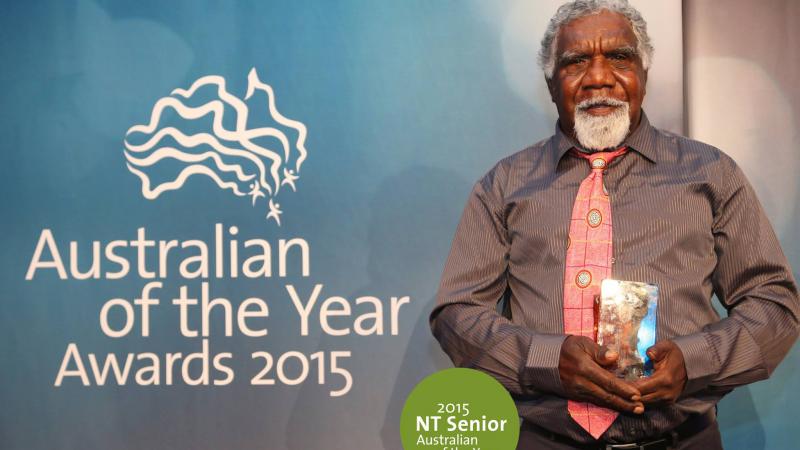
[580, 8]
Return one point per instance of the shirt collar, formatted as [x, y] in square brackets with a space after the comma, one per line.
[642, 140]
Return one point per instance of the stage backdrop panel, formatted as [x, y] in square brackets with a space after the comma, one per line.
[742, 96]
[172, 143]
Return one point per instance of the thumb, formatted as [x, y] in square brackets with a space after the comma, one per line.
[605, 355]
[658, 351]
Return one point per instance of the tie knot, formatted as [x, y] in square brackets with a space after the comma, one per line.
[600, 160]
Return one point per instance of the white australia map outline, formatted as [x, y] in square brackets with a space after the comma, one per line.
[270, 177]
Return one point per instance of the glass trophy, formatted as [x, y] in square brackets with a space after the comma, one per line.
[627, 324]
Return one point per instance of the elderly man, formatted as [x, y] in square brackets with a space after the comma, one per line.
[537, 232]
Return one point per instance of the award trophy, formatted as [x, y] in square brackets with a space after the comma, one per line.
[627, 324]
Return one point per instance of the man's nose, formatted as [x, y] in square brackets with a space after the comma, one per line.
[599, 74]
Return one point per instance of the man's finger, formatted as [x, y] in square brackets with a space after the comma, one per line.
[654, 397]
[602, 397]
[612, 384]
[649, 384]
[605, 357]
[658, 351]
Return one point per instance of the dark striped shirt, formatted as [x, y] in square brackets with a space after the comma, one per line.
[685, 218]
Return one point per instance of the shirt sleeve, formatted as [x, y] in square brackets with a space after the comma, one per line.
[754, 282]
[465, 319]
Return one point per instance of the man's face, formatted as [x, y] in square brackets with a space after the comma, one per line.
[597, 57]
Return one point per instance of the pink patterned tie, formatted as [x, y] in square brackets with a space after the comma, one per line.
[588, 263]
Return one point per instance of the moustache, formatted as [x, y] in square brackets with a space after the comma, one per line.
[599, 101]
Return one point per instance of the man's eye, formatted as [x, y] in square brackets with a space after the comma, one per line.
[575, 60]
[619, 56]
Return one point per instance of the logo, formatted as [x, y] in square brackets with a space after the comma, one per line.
[213, 136]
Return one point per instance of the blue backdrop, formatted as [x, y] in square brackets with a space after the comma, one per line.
[405, 104]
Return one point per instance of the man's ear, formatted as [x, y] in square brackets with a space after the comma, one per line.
[644, 83]
[551, 88]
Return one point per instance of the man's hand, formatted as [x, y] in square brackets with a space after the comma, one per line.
[669, 375]
[584, 378]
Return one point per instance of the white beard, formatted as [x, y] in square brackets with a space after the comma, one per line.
[602, 132]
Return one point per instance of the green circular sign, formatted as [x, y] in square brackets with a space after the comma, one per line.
[460, 409]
